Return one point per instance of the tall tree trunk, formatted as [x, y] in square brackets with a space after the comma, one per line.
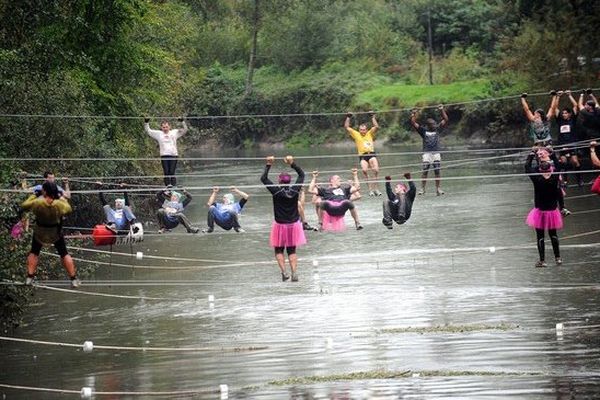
[255, 22]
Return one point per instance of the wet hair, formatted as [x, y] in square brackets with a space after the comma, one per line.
[285, 178]
[51, 190]
[47, 173]
[542, 114]
[545, 166]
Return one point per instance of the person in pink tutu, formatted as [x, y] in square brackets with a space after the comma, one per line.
[333, 202]
[286, 232]
[596, 163]
[548, 207]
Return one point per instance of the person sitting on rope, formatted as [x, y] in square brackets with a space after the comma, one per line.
[566, 119]
[49, 210]
[548, 207]
[398, 206]
[167, 142]
[121, 218]
[49, 177]
[431, 146]
[225, 214]
[364, 140]
[334, 201]
[590, 114]
[596, 163]
[539, 122]
[171, 213]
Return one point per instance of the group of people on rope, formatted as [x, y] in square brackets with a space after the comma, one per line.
[50, 202]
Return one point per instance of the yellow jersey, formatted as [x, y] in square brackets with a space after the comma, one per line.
[48, 217]
[364, 144]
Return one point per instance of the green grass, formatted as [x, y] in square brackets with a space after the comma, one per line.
[401, 95]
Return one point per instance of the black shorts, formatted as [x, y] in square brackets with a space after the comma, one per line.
[59, 245]
[336, 208]
[367, 156]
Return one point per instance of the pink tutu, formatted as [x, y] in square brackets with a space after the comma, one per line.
[539, 219]
[17, 230]
[287, 235]
[596, 185]
[333, 222]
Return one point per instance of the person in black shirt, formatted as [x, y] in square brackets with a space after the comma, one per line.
[398, 206]
[335, 200]
[590, 113]
[286, 232]
[566, 119]
[548, 207]
[431, 146]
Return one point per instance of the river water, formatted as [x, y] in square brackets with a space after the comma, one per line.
[428, 302]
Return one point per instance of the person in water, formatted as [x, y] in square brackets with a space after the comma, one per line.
[548, 207]
[120, 218]
[49, 210]
[226, 212]
[398, 206]
[286, 232]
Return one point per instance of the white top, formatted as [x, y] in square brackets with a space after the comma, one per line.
[167, 142]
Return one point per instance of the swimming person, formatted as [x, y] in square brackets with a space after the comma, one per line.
[225, 213]
[286, 231]
[398, 206]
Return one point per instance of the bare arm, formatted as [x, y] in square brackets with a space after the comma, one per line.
[374, 121]
[593, 155]
[573, 101]
[355, 182]
[312, 186]
[444, 116]
[553, 105]
[240, 193]
[212, 197]
[413, 119]
[67, 192]
[183, 130]
[595, 100]
[580, 104]
[528, 112]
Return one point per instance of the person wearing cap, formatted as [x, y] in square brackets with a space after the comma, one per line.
[225, 213]
[539, 122]
[334, 201]
[430, 133]
[171, 213]
[286, 231]
[398, 206]
[548, 207]
[365, 144]
[590, 114]
[121, 218]
[167, 143]
[49, 210]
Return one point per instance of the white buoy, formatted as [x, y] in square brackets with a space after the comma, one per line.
[224, 389]
[211, 298]
[86, 393]
[315, 263]
[559, 328]
[88, 346]
[329, 343]
[492, 250]
[139, 255]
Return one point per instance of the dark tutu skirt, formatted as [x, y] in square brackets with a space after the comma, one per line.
[287, 235]
[596, 185]
[539, 219]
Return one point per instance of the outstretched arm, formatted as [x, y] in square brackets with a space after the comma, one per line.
[573, 102]
[413, 119]
[312, 187]
[388, 188]
[528, 168]
[553, 104]
[264, 178]
[444, 121]
[528, 112]
[182, 131]
[593, 155]
[243, 195]
[355, 182]
[212, 197]
[347, 121]
[188, 198]
[595, 100]
[374, 122]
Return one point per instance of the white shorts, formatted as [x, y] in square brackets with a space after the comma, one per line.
[429, 158]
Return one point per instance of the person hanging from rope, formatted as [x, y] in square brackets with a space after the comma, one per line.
[225, 213]
[120, 219]
[167, 143]
[301, 202]
[364, 140]
[171, 213]
[430, 133]
[49, 210]
[566, 119]
[398, 206]
[333, 202]
[49, 177]
[595, 163]
[548, 207]
[539, 122]
[286, 231]
[590, 114]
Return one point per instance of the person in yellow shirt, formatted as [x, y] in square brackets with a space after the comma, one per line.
[49, 210]
[364, 140]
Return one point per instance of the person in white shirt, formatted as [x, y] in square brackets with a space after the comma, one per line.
[167, 142]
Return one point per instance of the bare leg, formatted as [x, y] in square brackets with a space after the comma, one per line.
[374, 164]
[293, 259]
[364, 166]
[69, 265]
[32, 262]
[280, 261]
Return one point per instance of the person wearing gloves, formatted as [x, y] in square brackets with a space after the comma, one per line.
[167, 143]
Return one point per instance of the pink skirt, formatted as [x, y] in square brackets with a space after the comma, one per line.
[539, 219]
[596, 185]
[17, 230]
[287, 235]
[333, 222]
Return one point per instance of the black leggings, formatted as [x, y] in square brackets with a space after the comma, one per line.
[540, 242]
[169, 164]
[59, 245]
[290, 250]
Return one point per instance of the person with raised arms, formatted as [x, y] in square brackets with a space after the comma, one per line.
[226, 212]
[167, 143]
[170, 214]
[539, 121]
[286, 231]
[365, 144]
[398, 206]
[568, 133]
